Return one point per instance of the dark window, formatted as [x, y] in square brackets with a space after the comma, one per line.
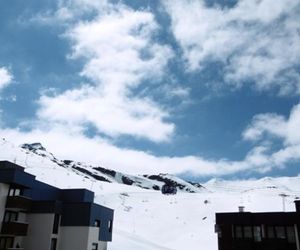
[53, 244]
[10, 216]
[238, 232]
[280, 232]
[6, 242]
[290, 231]
[55, 224]
[257, 233]
[97, 223]
[110, 224]
[248, 232]
[270, 232]
[95, 246]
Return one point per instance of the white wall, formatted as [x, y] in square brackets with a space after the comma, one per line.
[80, 238]
[94, 238]
[102, 245]
[75, 238]
[39, 231]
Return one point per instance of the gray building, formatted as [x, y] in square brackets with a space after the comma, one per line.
[37, 216]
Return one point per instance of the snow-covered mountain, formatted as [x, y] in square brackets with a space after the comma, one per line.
[154, 182]
[146, 219]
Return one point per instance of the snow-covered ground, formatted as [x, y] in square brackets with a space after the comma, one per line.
[146, 219]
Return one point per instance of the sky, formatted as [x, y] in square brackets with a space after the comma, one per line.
[199, 89]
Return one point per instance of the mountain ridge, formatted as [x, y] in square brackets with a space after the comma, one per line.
[154, 182]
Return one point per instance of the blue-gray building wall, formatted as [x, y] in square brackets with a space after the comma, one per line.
[105, 215]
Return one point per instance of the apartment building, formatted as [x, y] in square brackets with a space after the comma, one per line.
[259, 231]
[38, 216]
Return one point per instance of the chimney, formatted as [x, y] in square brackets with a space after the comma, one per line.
[241, 209]
[297, 203]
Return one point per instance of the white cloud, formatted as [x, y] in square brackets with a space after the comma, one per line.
[273, 126]
[120, 53]
[277, 126]
[110, 115]
[256, 40]
[179, 92]
[5, 77]
[271, 123]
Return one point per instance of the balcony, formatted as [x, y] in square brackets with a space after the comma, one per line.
[14, 228]
[19, 203]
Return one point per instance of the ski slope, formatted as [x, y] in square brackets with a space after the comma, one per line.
[146, 219]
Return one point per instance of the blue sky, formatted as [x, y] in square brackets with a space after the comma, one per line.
[195, 88]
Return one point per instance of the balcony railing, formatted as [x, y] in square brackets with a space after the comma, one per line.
[14, 228]
[18, 203]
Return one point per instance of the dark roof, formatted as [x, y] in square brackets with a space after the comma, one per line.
[9, 165]
[247, 218]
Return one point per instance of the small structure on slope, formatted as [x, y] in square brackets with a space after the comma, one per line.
[169, 189]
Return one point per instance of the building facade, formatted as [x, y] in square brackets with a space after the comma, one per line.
[259, 231]
[37, 216]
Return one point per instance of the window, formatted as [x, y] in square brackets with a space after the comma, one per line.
[248, 232]
[17, 192]
[290, 231]
[110, 226]
[10, 216]
[257, 233]
[97, 223]
[53, 244]
[238, 232]
[95, 246]
[11, 192]
[270, 232]
[280, 232]
[6, 242]
[55, 224]
[14, 191]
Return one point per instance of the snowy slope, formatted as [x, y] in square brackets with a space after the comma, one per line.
[153, 182]
[146, 219]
